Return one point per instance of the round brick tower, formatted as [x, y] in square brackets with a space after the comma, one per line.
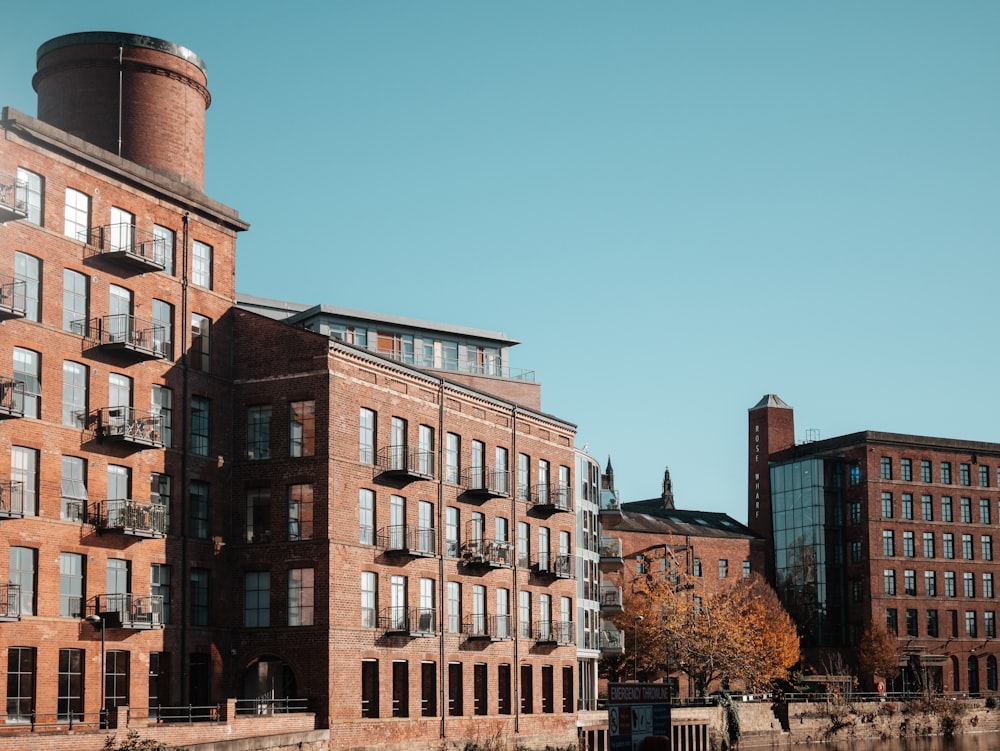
[136, 96]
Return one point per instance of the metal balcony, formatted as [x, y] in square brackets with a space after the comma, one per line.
[402, 539]
[611, 554]
[126, 335]
[10, 602]
[552, 498]
[13, 298]
[11, 499]
[11, 398]
[554, 632]
[488, 553]
[129, 425]
[128, 517]
[488, 627]
[558, 566]
[611, 601]
[483, 483]
[128, 246]
[405, 463]
[409, 621]
[612, 641]
[13, 199]
[129, 611]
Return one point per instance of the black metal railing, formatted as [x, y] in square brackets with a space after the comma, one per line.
[11, 499]
[495, 553]
[268, 705]
[406, 461]
[13, 198]
[554, 497]
[611, 598]
[612, 641]
[400, 619]
[493, 627]
[123, 331]
[402, 538]
[11, 397]
[130, 244]
[13, 297]
[486, 482]
[10, 602]
[130, 517]
[129, 424]
[554, 632]
[559, 566]
[128, 611]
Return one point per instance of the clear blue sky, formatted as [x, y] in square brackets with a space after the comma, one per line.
[677, 206]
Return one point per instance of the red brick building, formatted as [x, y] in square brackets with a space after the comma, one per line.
[884, 527]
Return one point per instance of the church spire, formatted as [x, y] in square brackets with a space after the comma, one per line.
[668, 490]
[608, 478]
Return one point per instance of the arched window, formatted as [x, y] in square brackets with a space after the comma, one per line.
[956, 684]
[973, 675]
[991, 673]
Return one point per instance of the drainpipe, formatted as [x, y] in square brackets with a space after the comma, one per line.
[185, 427]
[442, 624]
[516, 668]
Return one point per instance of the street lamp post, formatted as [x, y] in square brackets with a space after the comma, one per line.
[635, 647]
[97, 621]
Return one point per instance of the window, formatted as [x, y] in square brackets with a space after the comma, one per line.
[161, 405]
[543, 479]
[984, 476]
[75, 302]
[116, 679]
[428, 689]
[889, 580]
[965, 506]
[199, 510]
[907, 505]
[369, 688]
[855, 551]
[930, 583]
[76, 215]
[119, 390]
[927, 508]
[886, 468]
[988, 585]
[400, 688]
[122, 230]
[746, 569]
[855, 510]
[946, 515]
[31, 192]
[74, 408]
[925, 470]
[300, 597]
[71, 580]
[986, 547]
[964, 474]
[908, 544]
[452, 453]
[892, 620]
[503, 630]
[723, 568]
[20, 684]
[27, 370]
[503, 688]
[911, 622]
[366, 516]
[73, 489]
[910, 582]
[990, 627]
[948, 543]
[946, 473]
[257, 521]
[932, 623]
[949, 583]
[856, 591]
[398, 600]
[477, 463]
[928, 544]
[548, 692]
[968, 584]
[888, 543]
[524, 614]
[906, 470]
[163, 248]
[984, 510]
[425, 450]
[398, 442]
[200, 354]
[163, 329]
[967, 547]
[500, 469]
[24, 469]
[366, 437]
[200, 425]
[69, 703]
[302, 428]
[854, 474]
[159, 586]
[451, 522]
[257, 599]
[527, 689]
[369, 599]
[886, 505]
[970, 623]
[199, 596]
[159, 489]
[300, 512]
[201, 264]
[454, 607]
[259, 432]
[523, 476]
[23, 573]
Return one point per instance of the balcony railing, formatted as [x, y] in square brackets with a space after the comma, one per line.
[612, 642]
[611, 600]
[412, 621]
[611, 505]
[13, 300]
[491, 627]
[128, 245]
[549, 497]
[486, 482]
[11, 499]
[129, 425]
[407, 540]
[491, 369]
[10, 602]
[554, 632]
[129, 611]
[491, 553]
[129, 517]
[405, 462]
[124, 333]
[559, 566]
[11, 398]
[611, 554]
[13, 199]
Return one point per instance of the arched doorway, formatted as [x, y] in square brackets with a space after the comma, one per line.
[991, 673]
[956, 676]
[973, 676]
[269, 680]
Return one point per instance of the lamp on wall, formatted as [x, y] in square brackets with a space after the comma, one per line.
[97, 621]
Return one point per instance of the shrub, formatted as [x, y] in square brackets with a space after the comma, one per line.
[132, 742]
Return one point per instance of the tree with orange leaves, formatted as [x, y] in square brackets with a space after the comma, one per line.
[878, 652]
